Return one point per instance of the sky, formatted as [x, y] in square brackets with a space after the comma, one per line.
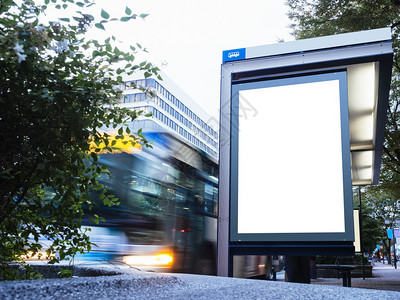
[186, 38]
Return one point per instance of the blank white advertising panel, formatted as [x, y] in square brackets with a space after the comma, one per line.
[290, 173]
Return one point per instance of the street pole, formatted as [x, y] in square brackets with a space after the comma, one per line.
[394, 251]
[360, 225]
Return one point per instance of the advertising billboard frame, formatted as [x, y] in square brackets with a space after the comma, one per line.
[345, 234]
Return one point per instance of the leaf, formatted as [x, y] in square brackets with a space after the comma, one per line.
[94, 156]
[143, 16]
[120, 131]
[100, 26]
[117, 51]
[89, 17]
[128, 11]
[80, 4]
[93, 220]
[104, 14]
[64, 19]
[132, 48]
[125, 19]
[65, 273]
[95, 53]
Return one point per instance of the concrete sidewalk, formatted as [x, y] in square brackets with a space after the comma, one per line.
[144, 285]
[385, 277]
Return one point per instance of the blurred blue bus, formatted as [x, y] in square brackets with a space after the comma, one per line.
[167, 217]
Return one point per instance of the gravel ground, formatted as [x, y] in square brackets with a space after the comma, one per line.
[142, 285]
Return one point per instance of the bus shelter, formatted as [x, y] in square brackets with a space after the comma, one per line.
[300, 123]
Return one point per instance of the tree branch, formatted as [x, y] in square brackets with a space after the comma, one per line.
[392, 159]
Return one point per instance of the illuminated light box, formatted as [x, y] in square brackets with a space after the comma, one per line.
[357, 232]
[288, 153]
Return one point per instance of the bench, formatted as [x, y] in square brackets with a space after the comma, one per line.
[345, 270]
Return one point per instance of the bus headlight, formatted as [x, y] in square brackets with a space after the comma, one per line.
[163, 259]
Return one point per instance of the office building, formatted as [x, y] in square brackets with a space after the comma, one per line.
[172, 110]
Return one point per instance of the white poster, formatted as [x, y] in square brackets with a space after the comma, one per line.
[290, 160]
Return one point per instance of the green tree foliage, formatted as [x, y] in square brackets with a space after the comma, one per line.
[57, 91]
[384, 208]
[312, 18]
[372, 233]
[372, 229]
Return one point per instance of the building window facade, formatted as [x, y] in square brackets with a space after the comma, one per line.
[173, 113]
